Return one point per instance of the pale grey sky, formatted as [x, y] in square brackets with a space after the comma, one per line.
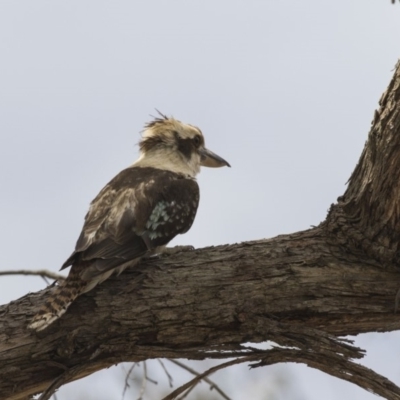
[285, 91]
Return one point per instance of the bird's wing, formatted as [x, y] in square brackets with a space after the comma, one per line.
[140, 209]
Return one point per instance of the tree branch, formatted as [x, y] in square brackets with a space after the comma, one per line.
[300, 291]
[212, 384]
[44, 273]
[339, 367]
[204, 375]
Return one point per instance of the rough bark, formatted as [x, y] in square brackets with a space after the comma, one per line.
[302, 291]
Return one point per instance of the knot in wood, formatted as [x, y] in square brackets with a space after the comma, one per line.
[351, 236]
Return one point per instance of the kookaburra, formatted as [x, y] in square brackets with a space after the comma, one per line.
[137, 213]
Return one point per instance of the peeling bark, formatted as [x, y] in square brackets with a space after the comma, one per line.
[301, 291]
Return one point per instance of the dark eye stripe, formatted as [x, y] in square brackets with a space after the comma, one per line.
[185, 146]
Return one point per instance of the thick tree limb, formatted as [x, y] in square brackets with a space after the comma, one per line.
[300, 291]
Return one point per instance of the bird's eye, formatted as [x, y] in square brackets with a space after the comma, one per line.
[197, 140]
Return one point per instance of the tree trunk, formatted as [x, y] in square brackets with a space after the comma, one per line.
[301, 291]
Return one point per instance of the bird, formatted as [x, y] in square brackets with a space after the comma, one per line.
[137, 213]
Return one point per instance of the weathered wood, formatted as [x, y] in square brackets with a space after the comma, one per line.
[336, 279]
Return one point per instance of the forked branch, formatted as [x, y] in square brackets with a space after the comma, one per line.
[301, 291]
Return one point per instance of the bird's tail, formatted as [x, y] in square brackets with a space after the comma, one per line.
[60, 299]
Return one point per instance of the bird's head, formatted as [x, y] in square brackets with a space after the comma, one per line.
[170, 144]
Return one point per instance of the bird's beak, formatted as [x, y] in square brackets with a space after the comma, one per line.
[210, 159]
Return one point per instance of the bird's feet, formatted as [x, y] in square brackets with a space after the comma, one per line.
[169, 251]
[177, 249]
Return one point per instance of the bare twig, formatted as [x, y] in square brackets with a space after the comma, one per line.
[44, 273]
[170, 380]
[185, 395]
[209, 381]
[126, 385]
[144, 382]
[46, 280]
[154, 382]
[200, 377]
